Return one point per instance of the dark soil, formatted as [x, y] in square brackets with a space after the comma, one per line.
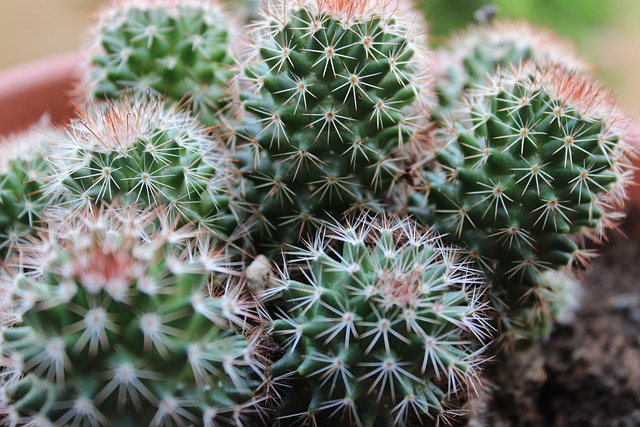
[588, 373]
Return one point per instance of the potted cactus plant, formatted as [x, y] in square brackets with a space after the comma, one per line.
[321, 223]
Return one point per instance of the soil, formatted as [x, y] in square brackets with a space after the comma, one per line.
[587, 374]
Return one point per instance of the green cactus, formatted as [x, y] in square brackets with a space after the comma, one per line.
[331, 94]
[119, 327]
[472, 56]
[181, 50]
[149, 154]
[532, 165]
[380, 331]
[21, 170]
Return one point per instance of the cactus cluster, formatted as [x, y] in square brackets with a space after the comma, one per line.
[533, 163]
[118, 324]
[425, 214]
[181, 50]
[145, 153]
[380, 328]
[331, 92]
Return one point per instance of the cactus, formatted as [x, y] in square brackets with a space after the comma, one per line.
[149, 154]
[532, 165]
[474, 55]
[176, 49]
[380, 331]
[331, 91]
[21, 170]
[124, 324]
[559, 292]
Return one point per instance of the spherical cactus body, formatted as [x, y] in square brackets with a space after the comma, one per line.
[331, 95]
[532, 165]
[22, 168]
[149, 154]
[380, 331]
[181, 50]
[118, 327]
[471, 57]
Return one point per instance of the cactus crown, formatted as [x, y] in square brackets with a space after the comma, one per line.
[331, 92]
[121, 321]
[149, 154]
[383, 314]
[181, 50]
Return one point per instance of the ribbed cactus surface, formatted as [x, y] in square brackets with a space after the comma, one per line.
[380, 328]
[331, 94]
[180, 50]
[535, 162]
[124, 323]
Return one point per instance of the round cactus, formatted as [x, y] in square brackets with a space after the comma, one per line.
[379, 331]
[531, 165]
[123, 324]
[178, 49]
[331, 91]
[475, 54]
[21, 170]
[149, 154]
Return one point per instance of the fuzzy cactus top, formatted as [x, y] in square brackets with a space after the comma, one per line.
[331, 91]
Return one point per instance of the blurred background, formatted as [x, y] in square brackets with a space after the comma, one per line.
[607, 32]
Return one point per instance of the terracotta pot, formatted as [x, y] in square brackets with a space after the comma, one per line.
[30, 90]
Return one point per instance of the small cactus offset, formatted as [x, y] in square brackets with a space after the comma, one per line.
[331, 92]
[178, 49]
[471, 57]
[118, 327]
[533, 164]
[148, 154]
[380, 329]
[22, 169]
